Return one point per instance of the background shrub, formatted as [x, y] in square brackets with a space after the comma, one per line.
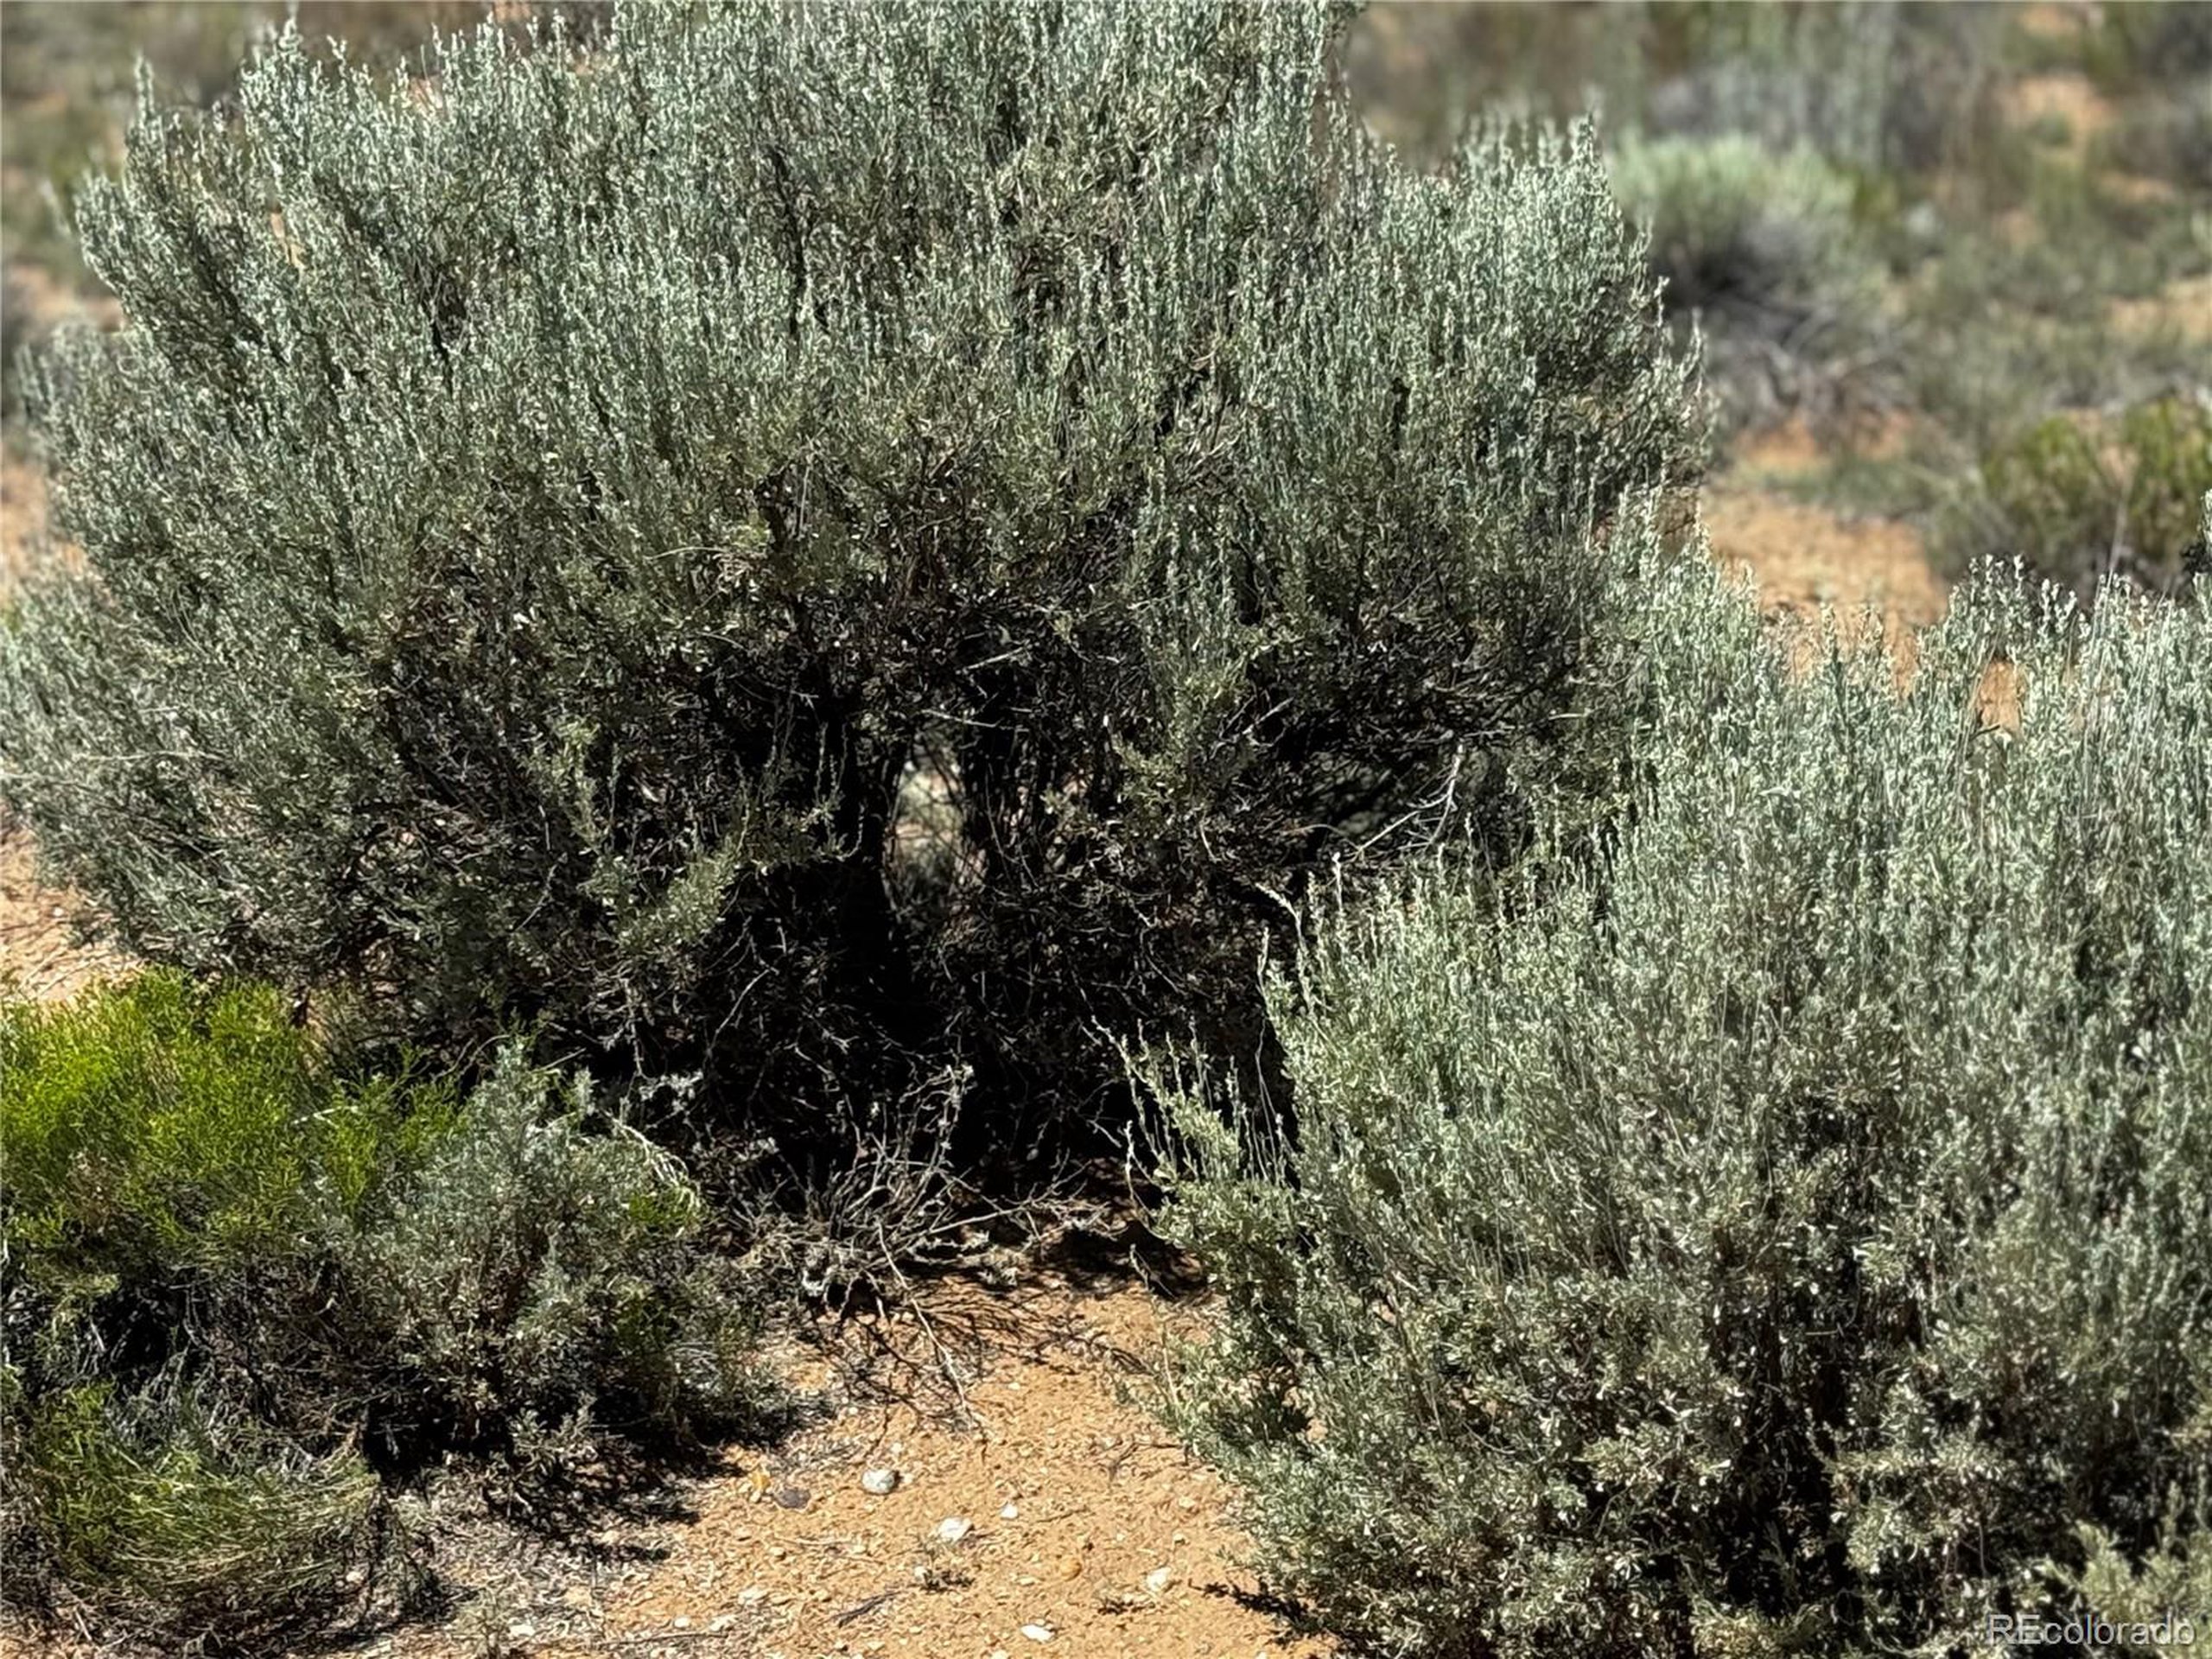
[529, 570]
[1760, 246]
[2128, 44]
[2080, 500]
[17, 327]
[1781, 1236]
[2170, 139]
[249, 1299]
[1872, 86]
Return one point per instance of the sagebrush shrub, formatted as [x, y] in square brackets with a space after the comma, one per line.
[541, 523]
[534, 1269]
[1870, 85]
[1790, 1232]
[17, 327]
[1733, 223]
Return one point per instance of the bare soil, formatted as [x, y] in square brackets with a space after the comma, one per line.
[1038, 1509]
[1804, 558]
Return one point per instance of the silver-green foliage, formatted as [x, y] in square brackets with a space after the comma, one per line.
[1783, 1235]
[1735, 223]
[536, 1271]
[535, 518]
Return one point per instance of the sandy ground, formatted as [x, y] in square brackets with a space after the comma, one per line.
[1037, 1511]
[2184, 307]
[23, 517]
[41, 954]
[1804, 557]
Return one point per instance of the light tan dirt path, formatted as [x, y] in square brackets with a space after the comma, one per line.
[1804, 556]
[1036, 1512]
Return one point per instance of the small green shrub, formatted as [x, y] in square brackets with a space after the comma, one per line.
[159, 1128]
[188, 1529]
[1734, 224]
[1783, 1236]
[235, 1272]
[536, 1269]
[525, 576]
[2079, 501]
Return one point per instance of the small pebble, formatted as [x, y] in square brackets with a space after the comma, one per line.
[1071, 1566]
[951, 1529]
[880, 1482]
[1159, 1579]
[752, 1597]
[1038, 1632]
[1009, 1513]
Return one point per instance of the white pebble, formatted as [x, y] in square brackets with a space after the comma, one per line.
[1038, 1632]
[880, 1482]
[951, 1529]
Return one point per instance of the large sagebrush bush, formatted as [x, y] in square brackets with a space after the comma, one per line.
[541, 523]
[1790, 1233]
[248, 1300]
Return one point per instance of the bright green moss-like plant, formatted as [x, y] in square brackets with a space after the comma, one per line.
[1791, 1234]
[160, 1127]
[541, 526]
